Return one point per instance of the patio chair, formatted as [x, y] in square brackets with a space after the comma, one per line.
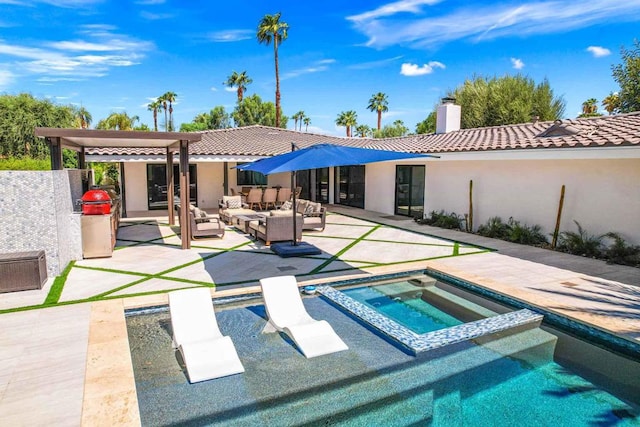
[254, 198]
[206, 353]
[269, 197]
[203, 225]
[287, 314]
[283, 195]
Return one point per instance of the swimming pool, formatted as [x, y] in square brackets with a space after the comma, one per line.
[509, 380]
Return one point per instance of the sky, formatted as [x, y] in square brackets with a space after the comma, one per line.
[115, 56]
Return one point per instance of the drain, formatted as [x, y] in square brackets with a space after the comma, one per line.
[286, 268]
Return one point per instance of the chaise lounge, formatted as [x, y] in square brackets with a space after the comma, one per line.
[287, 314]
[206, 353]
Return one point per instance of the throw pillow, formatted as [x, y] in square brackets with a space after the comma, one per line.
[301, 206]
[203, 214]
[234, 203]
[197, 213]
[309, 209]
[286, 206]
[316, 206]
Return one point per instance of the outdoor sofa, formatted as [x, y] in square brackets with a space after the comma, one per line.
[229, 206]
[276, 227]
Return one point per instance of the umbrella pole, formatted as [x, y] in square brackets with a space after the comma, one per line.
[293, 208]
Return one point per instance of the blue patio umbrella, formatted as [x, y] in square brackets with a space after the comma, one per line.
[320, 156]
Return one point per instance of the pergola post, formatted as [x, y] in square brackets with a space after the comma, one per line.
[170, 199]
[82, 164]
[56, 153]
[185, 233]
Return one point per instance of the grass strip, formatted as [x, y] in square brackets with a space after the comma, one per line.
[58, 285]
[343, 250]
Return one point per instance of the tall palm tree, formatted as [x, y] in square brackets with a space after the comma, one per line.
[118, 121]
[611, 103]
[170, 97]
[298, 117]
[363, 131]
[163, 102]
[84, 117]
[307, 122]
[347, 119]
[379, 103]
[271, 29]
[239, 80]
[155, 107]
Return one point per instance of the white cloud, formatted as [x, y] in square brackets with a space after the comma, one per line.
[150, 2]
[214, 89]
[517, 63]
[230, 35]
[411, 70]
[405, 23]
[57, 3]
[374, 64]
[234, 90]
[318, 66]
[599, 51]
[6, 78]
[150, 16]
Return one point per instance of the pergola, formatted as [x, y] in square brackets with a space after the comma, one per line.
[80, 139]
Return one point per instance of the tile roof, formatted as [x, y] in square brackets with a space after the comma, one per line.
[257, 140]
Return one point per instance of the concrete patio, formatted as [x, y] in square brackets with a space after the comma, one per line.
[66, 359]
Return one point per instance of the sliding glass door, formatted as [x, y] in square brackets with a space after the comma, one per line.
[350, 186]
[410, 191]
[157, 185]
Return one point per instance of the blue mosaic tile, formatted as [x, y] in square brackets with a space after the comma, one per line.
[418, 343]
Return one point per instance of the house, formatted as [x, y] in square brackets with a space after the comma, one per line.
[517, 171]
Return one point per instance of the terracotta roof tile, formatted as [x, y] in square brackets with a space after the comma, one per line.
[618, 130]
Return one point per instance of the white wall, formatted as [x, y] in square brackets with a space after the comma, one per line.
[210, 184]
[603, 195]
[135, 175]
[380, 187]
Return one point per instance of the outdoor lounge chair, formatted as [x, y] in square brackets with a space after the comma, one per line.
[287, 314]
[206, 353]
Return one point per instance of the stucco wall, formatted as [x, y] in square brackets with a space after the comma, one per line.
[380, 187]
[603, 195]
[210, 184]
[135, 175]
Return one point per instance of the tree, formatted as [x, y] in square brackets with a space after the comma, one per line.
[347, 119]
[163, 102]
[84, 117]
[170, 97]
[307, 122]
[395, 130]
[270, 29]
[217, 118]
[627, 75]
[252, 111]
[118, 121]
[155, 107]
[590, 108]
[19, 115]
[611, 103]
[240, 81]
[364, 131]
[380, 104]
[428, 125]
[299, 116]
[505, 100]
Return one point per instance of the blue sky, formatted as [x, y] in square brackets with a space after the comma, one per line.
[118, 55]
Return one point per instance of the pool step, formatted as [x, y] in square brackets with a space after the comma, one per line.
[419, 343]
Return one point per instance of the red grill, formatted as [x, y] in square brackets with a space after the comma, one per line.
[96, 202]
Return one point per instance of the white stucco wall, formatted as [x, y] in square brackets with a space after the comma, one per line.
[210, 184]
[603, 195]
[135, 175]
[380, 187]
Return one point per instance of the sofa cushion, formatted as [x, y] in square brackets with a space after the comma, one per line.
[214, 225]
[317, 207]
[197, 213]
[232, 202]
[286, 206]
[313, 220]
[282, 213]
[301, 206]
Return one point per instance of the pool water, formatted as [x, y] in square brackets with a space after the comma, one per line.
[509, 381]
[403, 303]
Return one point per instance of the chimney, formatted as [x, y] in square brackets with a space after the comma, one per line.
[448, 116]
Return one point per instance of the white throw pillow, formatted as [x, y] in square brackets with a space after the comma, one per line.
[286, 206]
[234, 203]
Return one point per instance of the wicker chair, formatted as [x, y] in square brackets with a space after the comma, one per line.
[254, 198]
[276, 228]
[269, 197]
[205, 226]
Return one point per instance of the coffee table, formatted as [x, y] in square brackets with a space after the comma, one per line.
[242, 221]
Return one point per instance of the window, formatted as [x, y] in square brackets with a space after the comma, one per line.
[157, 185]
[250, 178]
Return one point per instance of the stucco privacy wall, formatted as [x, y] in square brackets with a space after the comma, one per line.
[602, 195]
[36, 212]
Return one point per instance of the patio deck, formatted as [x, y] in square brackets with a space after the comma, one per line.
[72, 330]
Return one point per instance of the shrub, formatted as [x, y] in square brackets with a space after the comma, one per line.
[619, 252]
[494, 228]
[442, 219]
[526, 235]
[580, 243]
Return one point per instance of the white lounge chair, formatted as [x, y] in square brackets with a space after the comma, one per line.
[287, 314]
[207, 354]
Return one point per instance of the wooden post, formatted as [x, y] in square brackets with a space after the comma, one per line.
[170, 199]
[185, 234]
[470, 223]
[56, 153]
[554, 241]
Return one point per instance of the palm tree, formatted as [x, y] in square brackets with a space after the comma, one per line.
[307, 122]
[271, 29]
[163, 102]
[347, 119]
[118, 121]
[590, 106]
[611, 103]
[170, 97]
[84, 117]
[240, 81]
[379, 103]
[363, 131]
[155, 106]
[298, 117]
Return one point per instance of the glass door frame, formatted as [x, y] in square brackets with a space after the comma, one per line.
[410, 190]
